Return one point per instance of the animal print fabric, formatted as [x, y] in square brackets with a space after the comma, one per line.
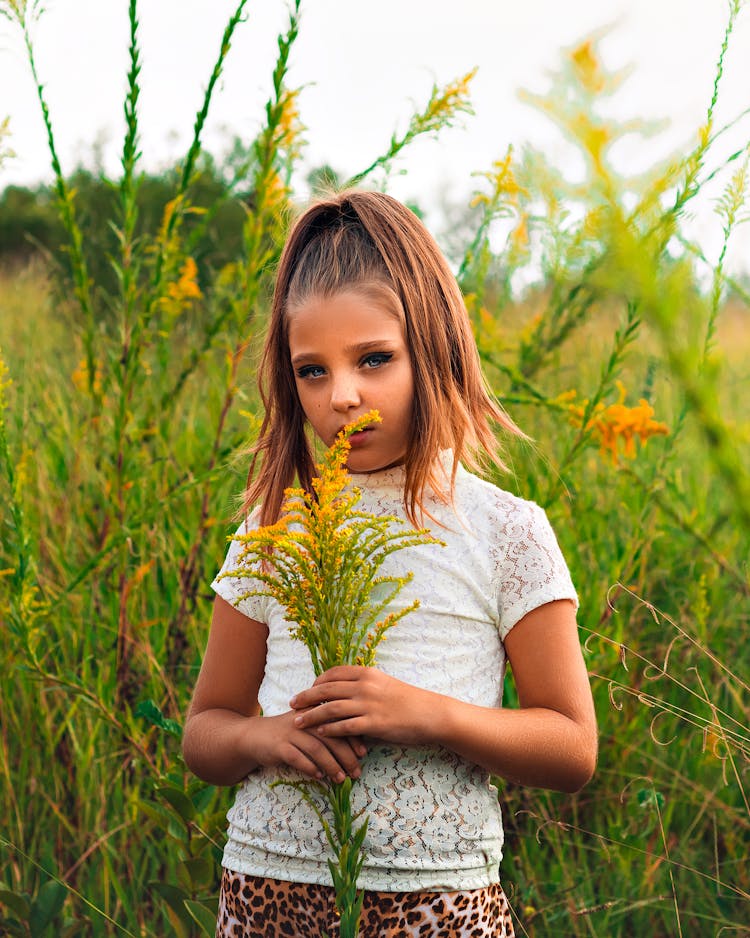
[254, 907]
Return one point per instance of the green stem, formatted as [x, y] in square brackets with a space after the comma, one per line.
[65, 201]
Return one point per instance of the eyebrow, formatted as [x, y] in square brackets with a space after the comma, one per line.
[357, 347]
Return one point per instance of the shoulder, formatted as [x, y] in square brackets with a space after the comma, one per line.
[509, 526]
[476, 497]
[235, 582]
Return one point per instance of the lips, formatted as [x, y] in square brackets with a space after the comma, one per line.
[360, 436]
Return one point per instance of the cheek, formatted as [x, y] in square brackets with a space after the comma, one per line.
[304, 398]
[311, 404]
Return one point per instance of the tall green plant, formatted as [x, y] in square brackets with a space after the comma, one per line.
[614, 306]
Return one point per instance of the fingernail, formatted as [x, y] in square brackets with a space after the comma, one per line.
[299, 720]
[293, 701]
[340, 777]
[356, 773]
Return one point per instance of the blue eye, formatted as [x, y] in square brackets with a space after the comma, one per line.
[376, 359]
[310, 371]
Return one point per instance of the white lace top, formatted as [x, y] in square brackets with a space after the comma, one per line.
[434, 819]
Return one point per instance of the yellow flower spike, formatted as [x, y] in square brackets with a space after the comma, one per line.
[181, 292]
[290, 127]
[80, 377]
[527, 333]
[519, 237]
[587, 67]
[443, 104]
[322, 562]
[505, 189]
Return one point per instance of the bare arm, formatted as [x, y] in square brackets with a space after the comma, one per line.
[550, 742]
[225, 737]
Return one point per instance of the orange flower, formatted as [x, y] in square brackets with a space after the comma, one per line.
[80, 377]
[610, 424]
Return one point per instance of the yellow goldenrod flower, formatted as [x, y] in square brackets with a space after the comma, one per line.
[594, 137]
[80, 378]
[275, 190]
[5, 152]
[5, 379]
[527, 333]
[443, 106]
[186, 287]
[587, 67]
[321, 561]
[290, 127]
[519, 237]
[182, 291]
[445, 103]
[504, 185]
[23, 12]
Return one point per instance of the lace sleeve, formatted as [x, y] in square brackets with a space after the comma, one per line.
[232, 588]
[530, 568]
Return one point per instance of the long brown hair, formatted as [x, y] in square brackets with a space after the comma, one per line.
[363, 241]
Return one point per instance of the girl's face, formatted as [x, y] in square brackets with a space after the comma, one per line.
[349, 355]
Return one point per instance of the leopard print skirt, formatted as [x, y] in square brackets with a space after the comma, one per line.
[256, 907]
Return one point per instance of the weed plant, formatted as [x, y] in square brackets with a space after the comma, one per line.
[125, 420]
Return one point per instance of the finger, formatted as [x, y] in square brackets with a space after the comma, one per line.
[341, 672]
[345, 755]
[353, 726]
[333, 757]
[326, 712]
[296, 758]
[358, 745]
[319, 694]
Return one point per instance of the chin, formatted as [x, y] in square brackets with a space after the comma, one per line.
[369, 465]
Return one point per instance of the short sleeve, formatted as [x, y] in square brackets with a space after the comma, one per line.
[234, 588]
[531, 569]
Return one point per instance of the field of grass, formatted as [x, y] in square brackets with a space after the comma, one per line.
[125, 417]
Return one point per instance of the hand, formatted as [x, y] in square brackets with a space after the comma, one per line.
[280, 740]
[356, 701]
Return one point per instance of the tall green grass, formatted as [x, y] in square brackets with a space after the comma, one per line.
[123, 436]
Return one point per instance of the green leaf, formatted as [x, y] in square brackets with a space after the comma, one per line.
[16, 902]
[203, 915]
[175, 899]
[203, 796]
[179, 801]
[14, 927]
[158, 813]
[47, 904]
[200, 870]
[359, 838]
[148, 710]
[648, 797]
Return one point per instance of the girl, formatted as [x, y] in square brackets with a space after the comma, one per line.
[367, 315]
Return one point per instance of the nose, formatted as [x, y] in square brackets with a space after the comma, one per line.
[344, 393]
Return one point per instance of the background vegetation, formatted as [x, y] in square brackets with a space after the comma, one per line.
[128, 403]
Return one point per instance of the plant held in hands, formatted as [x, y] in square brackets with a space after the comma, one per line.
[321, 561]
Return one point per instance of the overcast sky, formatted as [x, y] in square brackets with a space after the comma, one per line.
[364, 68]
